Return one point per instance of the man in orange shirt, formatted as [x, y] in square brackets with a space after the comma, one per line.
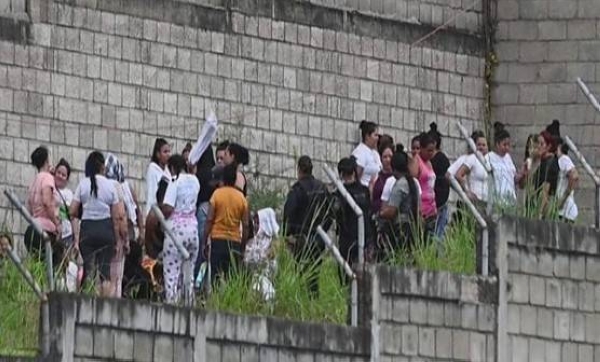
[228, 210]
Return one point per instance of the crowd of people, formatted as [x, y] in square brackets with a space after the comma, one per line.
[404, 195]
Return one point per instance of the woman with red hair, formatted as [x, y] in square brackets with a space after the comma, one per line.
[545, 178]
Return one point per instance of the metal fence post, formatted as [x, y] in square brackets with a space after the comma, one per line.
[357, 210]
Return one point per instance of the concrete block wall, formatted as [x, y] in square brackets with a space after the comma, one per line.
[285, 78]
[12, 6]
[553, 291]
[86, 329]
[436, 316]
[542, 47]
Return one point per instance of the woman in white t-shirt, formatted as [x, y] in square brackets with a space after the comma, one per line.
[504, 170]
[568, 177]
[64, 198]
[156, 171]
[179, 207]
[471, 174]
[102, 218]
[366, 155]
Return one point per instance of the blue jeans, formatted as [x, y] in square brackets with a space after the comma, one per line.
[442, 222]
[201, 215]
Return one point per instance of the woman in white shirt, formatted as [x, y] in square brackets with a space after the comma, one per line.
[472, 175]
[64, 198]
[367, 157]
[179, 207]
[156, 171]
[568, 177]
[102, 218]
[504, 170]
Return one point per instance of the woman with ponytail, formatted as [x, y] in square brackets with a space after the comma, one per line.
[179, 207]
[440, 163]
[102, 218]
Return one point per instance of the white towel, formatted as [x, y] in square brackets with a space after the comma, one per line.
[209, 129]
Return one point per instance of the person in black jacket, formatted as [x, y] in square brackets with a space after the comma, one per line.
[345, 217]
[306, 207]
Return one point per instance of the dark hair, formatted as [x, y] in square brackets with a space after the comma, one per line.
[400, 162]
[530, 140]
[425, 139]
[305, 165]
[158, 144]
[399, 147]
[39, 157]
[65, 164]
[178, 164]
[500, 133]
[477, 135]
[187, 148]
[564, 148]
[222, 146]
[554, 128]
[435, 134]
[229, 175]
[367, 128]
[385, 140]
[416, 138]
[207, 160]
[384, 147]
[93, 166]
[347, 166]
[239, 152]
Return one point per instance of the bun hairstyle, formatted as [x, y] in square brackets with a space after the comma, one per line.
[39, 157]
[399, 148]
[554, 128]
[366, 129]
[564, 148]
[435, 134]
[240, 153]
[500, 133]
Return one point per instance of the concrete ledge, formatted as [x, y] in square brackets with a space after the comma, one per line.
[218, 18]
[550, 235]
[437, 285]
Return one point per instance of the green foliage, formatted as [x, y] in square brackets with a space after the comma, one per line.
[19, 309]
[292, 300]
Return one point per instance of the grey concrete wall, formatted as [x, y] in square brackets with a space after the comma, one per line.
[85, 329]
[436, 316]
[553, 291]
[542, 47]
[285, 78]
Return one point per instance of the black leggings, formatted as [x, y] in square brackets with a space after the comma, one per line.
[97, 246]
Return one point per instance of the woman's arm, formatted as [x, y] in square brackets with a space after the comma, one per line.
[573, 177]
[210, 219]
[240, 181]
[245, 227]
[138, 212]
[461, 177]
[388, 212]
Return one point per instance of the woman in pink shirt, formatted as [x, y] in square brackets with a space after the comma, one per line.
[42, 206]
[426, 177]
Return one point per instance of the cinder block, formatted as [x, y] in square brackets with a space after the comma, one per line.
[545, 322]
[528, 321]
[427, 342]
[577, 327]
[592, 328]
[410, 340]
[562, 325]
[391, 338]
[460, 345]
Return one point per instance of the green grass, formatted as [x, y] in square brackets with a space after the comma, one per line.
[292, 300]
[19, 309]
[456, 253]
